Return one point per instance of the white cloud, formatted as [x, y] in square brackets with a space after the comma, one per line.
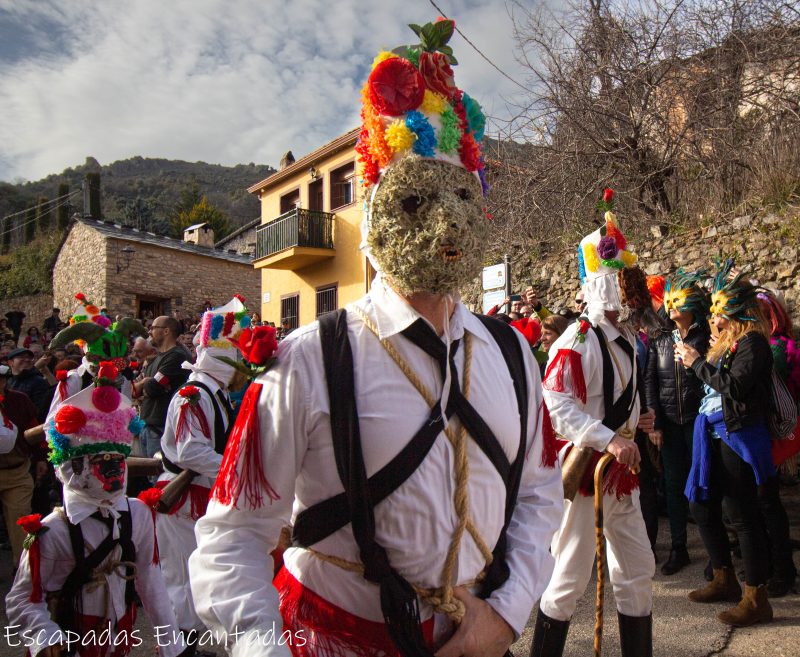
[214, 80]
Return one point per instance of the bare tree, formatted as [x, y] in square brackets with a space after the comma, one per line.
[674, 103]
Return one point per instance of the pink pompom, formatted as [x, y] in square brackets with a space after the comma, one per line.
[106, 398]
[102, 320]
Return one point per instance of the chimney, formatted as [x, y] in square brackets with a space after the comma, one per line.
[286, 161]
[91, 196]
[200, 234]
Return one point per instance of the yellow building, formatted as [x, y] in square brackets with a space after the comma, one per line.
[307, 243]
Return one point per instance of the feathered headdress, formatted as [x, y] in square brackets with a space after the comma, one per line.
[684, 293]
[412, 106]
[733, 296]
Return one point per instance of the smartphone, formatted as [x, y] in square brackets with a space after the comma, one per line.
[676, 337]
[516, 297]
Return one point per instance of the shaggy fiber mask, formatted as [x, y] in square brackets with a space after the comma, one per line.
[428, 231]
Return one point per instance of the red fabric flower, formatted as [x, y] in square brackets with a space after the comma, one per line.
[435, 70]
[258, 344]
[239, 296]
[608, 195]
[530, 328]
[192, 393]
[31, 524]
[150, 497]
[395, 87]
[134, 365]
[69, 419]
[80, 296]
[584, 326]
[61, 375]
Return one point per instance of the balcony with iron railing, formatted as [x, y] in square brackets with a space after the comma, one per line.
[295, 239]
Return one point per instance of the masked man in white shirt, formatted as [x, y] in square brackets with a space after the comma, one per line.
[199, 418]
[85, 563]
[592, 389]
[404, 439]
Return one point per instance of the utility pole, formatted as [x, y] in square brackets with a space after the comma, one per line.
[507, 263]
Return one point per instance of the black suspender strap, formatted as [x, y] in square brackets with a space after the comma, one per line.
[616, 413]
[399, 602]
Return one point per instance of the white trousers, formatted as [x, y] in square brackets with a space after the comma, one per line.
[631, 565]
[176, 541]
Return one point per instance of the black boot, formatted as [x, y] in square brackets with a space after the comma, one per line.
[549, 636]
[636, 635]
[678, 559]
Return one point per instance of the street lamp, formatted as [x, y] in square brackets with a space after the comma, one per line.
[124, 262]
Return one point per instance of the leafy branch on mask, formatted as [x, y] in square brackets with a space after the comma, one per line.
[433, 38]
[250, 371]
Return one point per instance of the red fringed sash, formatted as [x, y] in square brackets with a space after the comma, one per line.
[554, 376]
[184, 420]
[335, 632]
[242, 470]
[197, 496]
[618, 479]
[550, 443]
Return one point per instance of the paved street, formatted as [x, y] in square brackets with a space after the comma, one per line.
[681, 628]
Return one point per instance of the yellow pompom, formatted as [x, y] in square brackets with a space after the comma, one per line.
[610, 218]
[628, 258]
[382, 56]
[433, 103]
[399, 137]
[590, 259]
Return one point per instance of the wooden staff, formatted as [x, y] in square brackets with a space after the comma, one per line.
[173, 491]
[139, 466]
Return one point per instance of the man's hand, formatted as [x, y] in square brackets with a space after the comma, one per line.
[625, 451]
[647, 421]
[482, 633]
[656, 437]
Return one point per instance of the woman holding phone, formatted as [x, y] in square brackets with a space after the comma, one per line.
[674, 393]
[732, 459]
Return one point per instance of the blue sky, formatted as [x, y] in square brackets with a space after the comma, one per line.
[222, 81]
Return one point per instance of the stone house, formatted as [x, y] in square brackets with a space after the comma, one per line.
[242, 240]
[133, 272]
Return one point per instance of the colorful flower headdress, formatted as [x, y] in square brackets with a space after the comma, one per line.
[603, 252]
[97, 334]
[96, 420]
[684, 293]
[733, 296]
[411, 105]
[221, 324]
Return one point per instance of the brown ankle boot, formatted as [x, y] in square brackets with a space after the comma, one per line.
[723, 587]
[754, 608]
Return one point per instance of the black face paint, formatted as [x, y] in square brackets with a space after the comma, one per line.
[77, 465]
[110, 471]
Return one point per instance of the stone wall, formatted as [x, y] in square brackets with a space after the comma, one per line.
[244, 243]
[80, 267]
[769, 243]
[37, 308]
[186, 280]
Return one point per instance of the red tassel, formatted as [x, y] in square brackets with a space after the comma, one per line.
[242, 469]
[183, 421]
[618, 479]
[554, 377]
[228, 325]
[550, 444]
[35, 564]
[198, 498]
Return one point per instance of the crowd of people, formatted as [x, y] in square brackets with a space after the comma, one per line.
[402, 477]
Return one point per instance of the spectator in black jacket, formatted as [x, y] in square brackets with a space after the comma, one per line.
[732, 457]
[26, 378]
[674, 393]
[160, 380]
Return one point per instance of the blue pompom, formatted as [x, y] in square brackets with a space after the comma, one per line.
[136, 425]
[425, 143]
[244, 322]
[217, 322]
[581, 266]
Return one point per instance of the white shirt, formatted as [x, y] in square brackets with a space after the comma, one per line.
[580, 423]
[57, 562]
[193, 451]
[8, 434]
[231, 568]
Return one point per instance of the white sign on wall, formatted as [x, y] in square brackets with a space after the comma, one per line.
[266, 297]
[494, 277]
